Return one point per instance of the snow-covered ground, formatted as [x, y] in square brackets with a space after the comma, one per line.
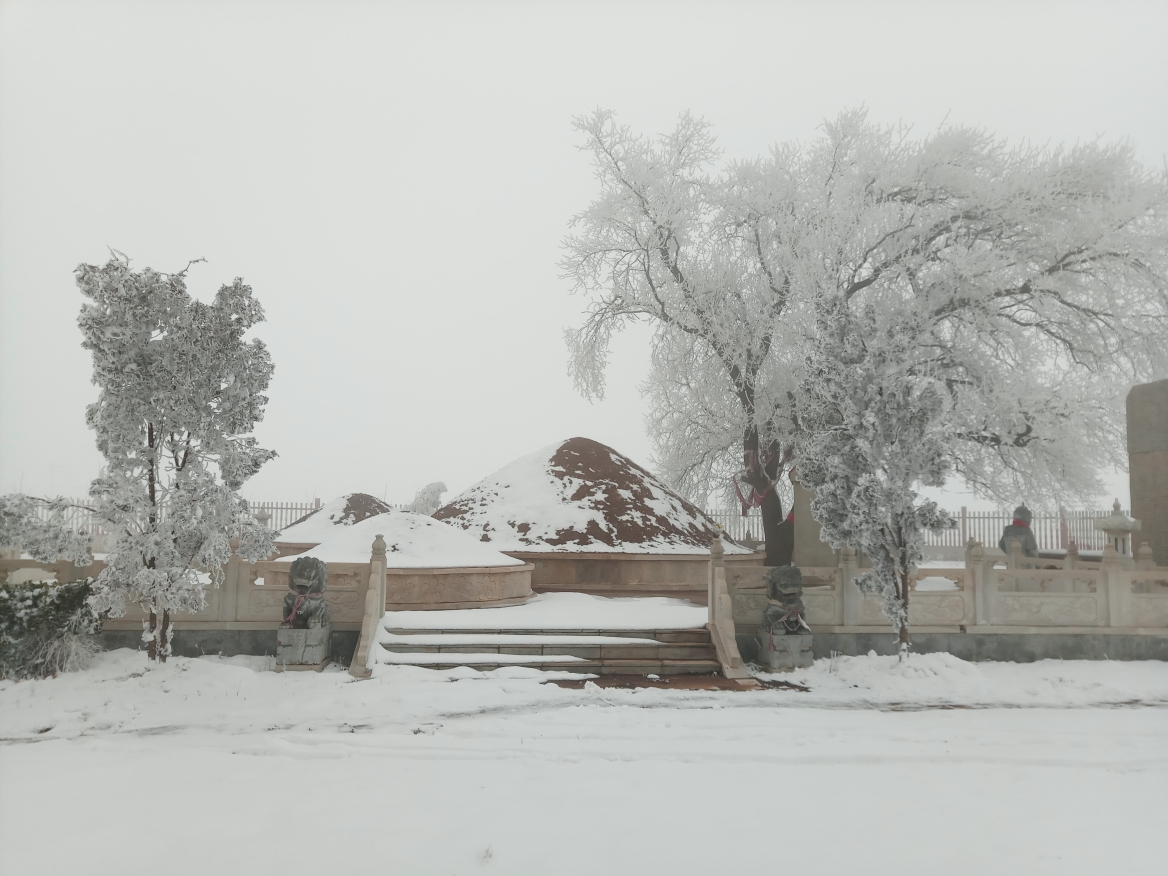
[934, 766]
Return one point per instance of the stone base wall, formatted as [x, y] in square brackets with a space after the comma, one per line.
[622, 574]
[227, 643]
[1024, 647]
[457, 588]
[1012, 646]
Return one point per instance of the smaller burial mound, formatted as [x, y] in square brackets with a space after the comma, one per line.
[413, 541]
[591, 520]
[429, 564]
[321, 524]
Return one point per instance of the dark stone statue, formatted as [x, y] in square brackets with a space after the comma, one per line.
[1020, 530]
[304, 606]
[784, 639]
[304, 640]
[783, 614]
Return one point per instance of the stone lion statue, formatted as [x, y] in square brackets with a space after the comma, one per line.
[304, 606]
[784, 611]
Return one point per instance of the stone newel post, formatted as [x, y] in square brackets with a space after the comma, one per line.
[1117, 582]
[361, 665]
[983, 580]
[377, 575]
[717, 561]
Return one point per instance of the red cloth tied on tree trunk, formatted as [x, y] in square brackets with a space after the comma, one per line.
[755, 498]
[1017, 522]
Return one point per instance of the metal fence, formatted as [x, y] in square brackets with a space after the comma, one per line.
[738, 527]
[1052, 530]
[284, 514]
[79, 514]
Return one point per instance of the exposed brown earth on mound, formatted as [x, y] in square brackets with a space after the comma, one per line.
[616, 486]
[358, 507]
[635, 507]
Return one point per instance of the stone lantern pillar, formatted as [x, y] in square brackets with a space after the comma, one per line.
[1119, 528]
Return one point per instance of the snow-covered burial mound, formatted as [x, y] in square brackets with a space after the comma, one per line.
[316, 526]
[579, 495]
[413, 541]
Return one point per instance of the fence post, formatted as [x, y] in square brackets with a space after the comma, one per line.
[1117, 583]
[964, 525]
[985, 583]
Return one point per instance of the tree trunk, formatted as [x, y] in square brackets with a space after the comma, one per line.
[762, 470]
[159, 636]
[772, 517]
[164, 637]
[152, 648]
[902, 650]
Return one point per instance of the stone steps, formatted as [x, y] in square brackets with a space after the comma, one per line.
[599, 652]
[593, 667]
[696, 634]
[653, 651]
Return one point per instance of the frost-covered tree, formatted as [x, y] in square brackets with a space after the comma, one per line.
[180, 389]
[1037, 276]
[983, 310]
[428, 499]
[704, 256]
[1035, 279]
[876, 427]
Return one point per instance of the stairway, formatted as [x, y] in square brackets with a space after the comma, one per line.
[598, 652]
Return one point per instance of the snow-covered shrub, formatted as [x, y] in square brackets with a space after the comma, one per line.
[428, 499]
[46, 628]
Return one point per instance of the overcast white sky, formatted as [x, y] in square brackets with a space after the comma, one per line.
[394, 180]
